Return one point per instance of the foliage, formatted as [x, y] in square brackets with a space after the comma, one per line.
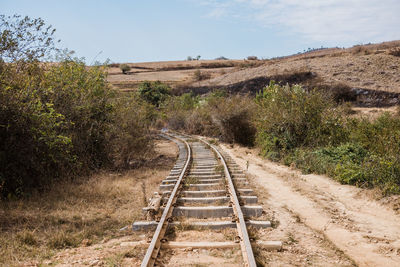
[60, 120]
[290, 117]
[307, 130]
[229, 118]
[324, 160]
[84, 98]
[154, 92]
[234, 118]
[32, 145]
[129, 136]
[125, 68]
[25, 39]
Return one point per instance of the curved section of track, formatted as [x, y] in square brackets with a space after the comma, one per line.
[181, 166]
[205, 190]
[248, 256]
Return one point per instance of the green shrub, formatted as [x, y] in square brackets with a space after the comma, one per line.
[33, 145]
[381, 136]
[84, 98]
[375, 171]
[290, 117]
[229, 118]
[234, 118]
[154, 92]
[125, 68]
[324, 160]
[60, 120]
[129, 137]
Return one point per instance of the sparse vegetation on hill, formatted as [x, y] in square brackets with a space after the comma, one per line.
[199, 75]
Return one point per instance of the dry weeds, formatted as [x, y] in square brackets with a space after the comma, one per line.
[78, 214]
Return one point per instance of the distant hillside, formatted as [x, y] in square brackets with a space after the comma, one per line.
[369, 74]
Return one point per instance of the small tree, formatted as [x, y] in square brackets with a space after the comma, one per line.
[125, 68]
[154, 92]
[198, 57]
[25, 38]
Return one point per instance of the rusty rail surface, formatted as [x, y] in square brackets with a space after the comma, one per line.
[245, 245]
[154, 247]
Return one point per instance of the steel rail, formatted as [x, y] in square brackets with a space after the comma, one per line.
[154, 247]
[245, 245]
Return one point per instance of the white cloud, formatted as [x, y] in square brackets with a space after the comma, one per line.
[333, 21]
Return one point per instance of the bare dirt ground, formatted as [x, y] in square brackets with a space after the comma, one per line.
[339, 224]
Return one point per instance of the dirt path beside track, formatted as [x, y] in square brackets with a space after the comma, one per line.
[366, 231]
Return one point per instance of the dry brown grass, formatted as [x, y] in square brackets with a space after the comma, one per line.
[78, 213]
[369, 67]
[172, 72]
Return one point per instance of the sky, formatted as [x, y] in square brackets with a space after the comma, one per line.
[160, 30]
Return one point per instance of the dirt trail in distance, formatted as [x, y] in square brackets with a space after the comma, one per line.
[365, 230]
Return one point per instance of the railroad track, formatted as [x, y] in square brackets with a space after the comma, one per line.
[205, 190]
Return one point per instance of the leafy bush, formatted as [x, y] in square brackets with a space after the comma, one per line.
[229, 118]
[125, 68]
[324, 160]
[290, 117]
[60, 120]
[32, 148]
[129, 136]
[305, 129]
[84, 98]
[234, 118]
[375, 171]
[381, 136]
[154, 92]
